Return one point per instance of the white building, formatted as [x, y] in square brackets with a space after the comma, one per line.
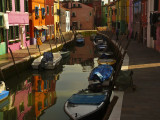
[64, 19]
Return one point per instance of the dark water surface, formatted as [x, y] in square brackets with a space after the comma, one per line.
[41, 95]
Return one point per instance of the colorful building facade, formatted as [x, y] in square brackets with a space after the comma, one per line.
[49, 18]
[121, 16]
[3, 28]
[130, 23]
[18, 19]
[79, 11]
[64, 19]
[56, 17]
[37, 20]
[104, 15]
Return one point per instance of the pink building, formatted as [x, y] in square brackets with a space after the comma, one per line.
[82, 16]
[18, 18]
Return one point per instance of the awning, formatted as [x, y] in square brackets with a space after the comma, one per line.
[38, 27]
[44, 27]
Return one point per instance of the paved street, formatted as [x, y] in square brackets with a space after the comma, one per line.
[143, 103]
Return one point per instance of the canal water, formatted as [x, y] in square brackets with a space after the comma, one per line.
[42, 95]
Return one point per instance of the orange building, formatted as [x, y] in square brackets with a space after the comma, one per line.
[37, 20]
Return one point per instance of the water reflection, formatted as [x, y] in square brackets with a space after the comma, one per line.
[42, 94]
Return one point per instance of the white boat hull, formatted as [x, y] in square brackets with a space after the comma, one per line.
[50, 64]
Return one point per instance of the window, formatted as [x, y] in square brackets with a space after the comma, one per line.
[90, 13]
[17, 5]
[1, 20]
[52, 10]
[115, 11]
[37, 12]
[79, 5]
[53, 29]
[74, 5]
[26, 5]
[27, 30]
[1, 35]
[156, 4]
[43, 12]
[73, 14]
[1, 6]
[10, 33]
[16, 28]
[47, 10]
[8, 5]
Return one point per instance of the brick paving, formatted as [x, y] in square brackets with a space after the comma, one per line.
[144, 102]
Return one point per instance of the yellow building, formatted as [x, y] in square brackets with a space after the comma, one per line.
[56, 17]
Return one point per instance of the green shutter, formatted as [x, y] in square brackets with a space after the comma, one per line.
[26, 6]
[16, 5]
[5, 35]
[10, 5]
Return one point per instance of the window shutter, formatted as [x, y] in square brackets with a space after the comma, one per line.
[5, 35]
[15, 32]
[10, 5]
[25, 8]
[38, 10]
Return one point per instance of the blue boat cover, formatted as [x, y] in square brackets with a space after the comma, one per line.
[87, 99]
[101, 73]
[48, 56]
[4, 94]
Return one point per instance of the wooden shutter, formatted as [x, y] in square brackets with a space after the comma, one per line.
[5, 35]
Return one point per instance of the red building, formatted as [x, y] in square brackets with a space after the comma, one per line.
[96, 4]
[81, 15]
[144, 20]
[49, 18]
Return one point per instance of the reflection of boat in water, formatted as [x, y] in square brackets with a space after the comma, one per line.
[80, 39]
[3, 93]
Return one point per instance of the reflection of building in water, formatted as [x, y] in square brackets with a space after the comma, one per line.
[44, 94]
[18, 103]
[83, 55]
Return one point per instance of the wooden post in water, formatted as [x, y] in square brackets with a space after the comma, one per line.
[28, 51]
[13, 61]
[39, 50]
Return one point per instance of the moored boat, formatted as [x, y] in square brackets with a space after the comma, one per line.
[3, 93]
[47, 61]
[101, 74]
[86, 104]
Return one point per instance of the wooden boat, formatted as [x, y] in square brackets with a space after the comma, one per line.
[106, 61]
[87, 105]
[3, 93]
[101, 74]
[42, 63]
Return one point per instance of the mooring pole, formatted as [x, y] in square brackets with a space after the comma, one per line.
[39, 50]
[13, 61]
[56, 43]
[50, 45]
[28, 51]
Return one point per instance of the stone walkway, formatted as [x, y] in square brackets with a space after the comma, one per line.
[144, 102]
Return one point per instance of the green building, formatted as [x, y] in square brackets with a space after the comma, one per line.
[104, 15]
[3, 31]
[121, 14]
